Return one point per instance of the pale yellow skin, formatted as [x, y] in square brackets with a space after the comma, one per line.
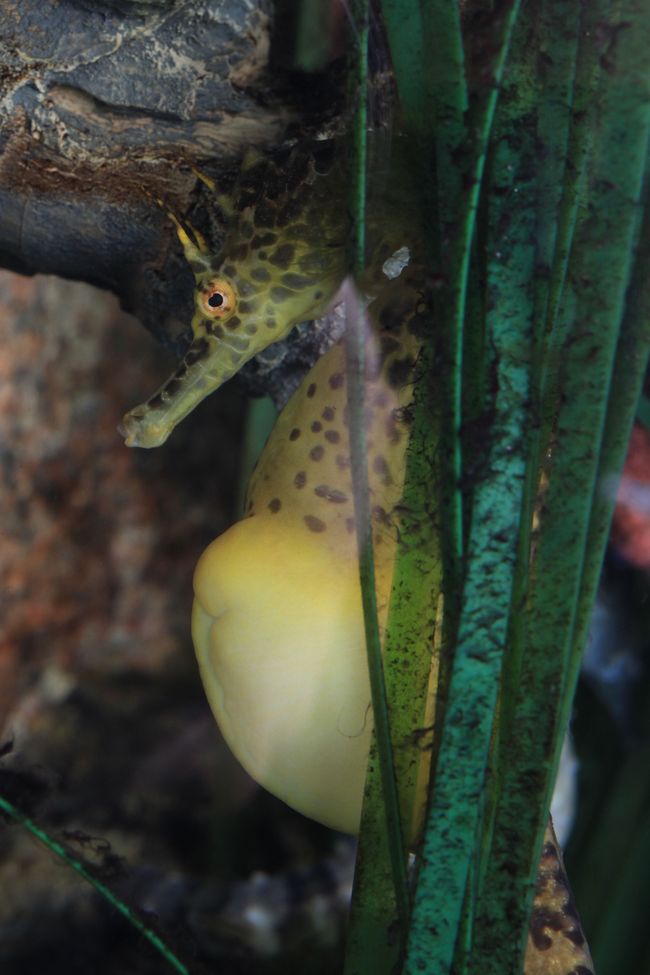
[294, 710]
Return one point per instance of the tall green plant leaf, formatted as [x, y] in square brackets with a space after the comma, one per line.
[593, 414]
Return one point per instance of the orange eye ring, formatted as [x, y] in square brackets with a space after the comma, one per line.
[217, 299]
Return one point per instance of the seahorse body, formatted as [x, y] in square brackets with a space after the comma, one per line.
[277, 619]
[291, 690]
[284, 627]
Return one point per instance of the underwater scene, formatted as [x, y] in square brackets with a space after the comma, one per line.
[324, 487]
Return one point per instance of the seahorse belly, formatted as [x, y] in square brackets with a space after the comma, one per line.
[281, 650]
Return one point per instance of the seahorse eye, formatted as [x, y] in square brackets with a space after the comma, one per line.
[217, 299]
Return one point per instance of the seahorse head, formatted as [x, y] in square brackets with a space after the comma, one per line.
[281, 262]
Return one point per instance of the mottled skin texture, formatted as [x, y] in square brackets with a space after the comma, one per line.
[556, 942]
[283, 263]
[277, 620]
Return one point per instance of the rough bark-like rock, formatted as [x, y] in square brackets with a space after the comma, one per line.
[107, 105]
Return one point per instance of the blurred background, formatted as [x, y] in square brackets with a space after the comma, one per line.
[108, 740]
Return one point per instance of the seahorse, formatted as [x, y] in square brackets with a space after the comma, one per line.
[277, 619]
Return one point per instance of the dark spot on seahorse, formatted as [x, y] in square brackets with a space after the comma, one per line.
[300, 479]
[246, 289]
[342, 462]
[388, 345]
[296, 281]
[155, 401]
[349, 524]
[230, 270]
[302, 231]
[263, 256]
[330, 494]
[283, 255]
[255, 167]
[336, 380]
[420, 325]
[313, 263]
[295, 433]
[316, 427]
[575, 935]
[314, 524]
[260, 274]
[318, 295]
[388, 320]
[291, 211]
[247, 197]
[233, 322]
[381, 515]
[280, 294]
[274, 505]
[380, 466]
[399, 371]
[180, 372]
[198, 349]
[239, 252]
[245, 307]
[250, 189]
[541, 919]
[274, 186]
[324, 153]
[235, 358]
[297, 166]
[311, 390]
[263, 240]
[271, 323]
[329, 413]
[265, 215]
[250, 329]
[316, 453]
[246, 228]
[549, 850]
[333, 436]
[198, 266]
[393, 314]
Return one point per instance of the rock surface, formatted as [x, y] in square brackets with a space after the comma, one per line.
[115, 751]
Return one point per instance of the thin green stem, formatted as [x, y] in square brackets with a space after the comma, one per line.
[54, 847]
[356, 371]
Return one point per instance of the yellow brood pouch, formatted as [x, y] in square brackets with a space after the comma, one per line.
[278, 632]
